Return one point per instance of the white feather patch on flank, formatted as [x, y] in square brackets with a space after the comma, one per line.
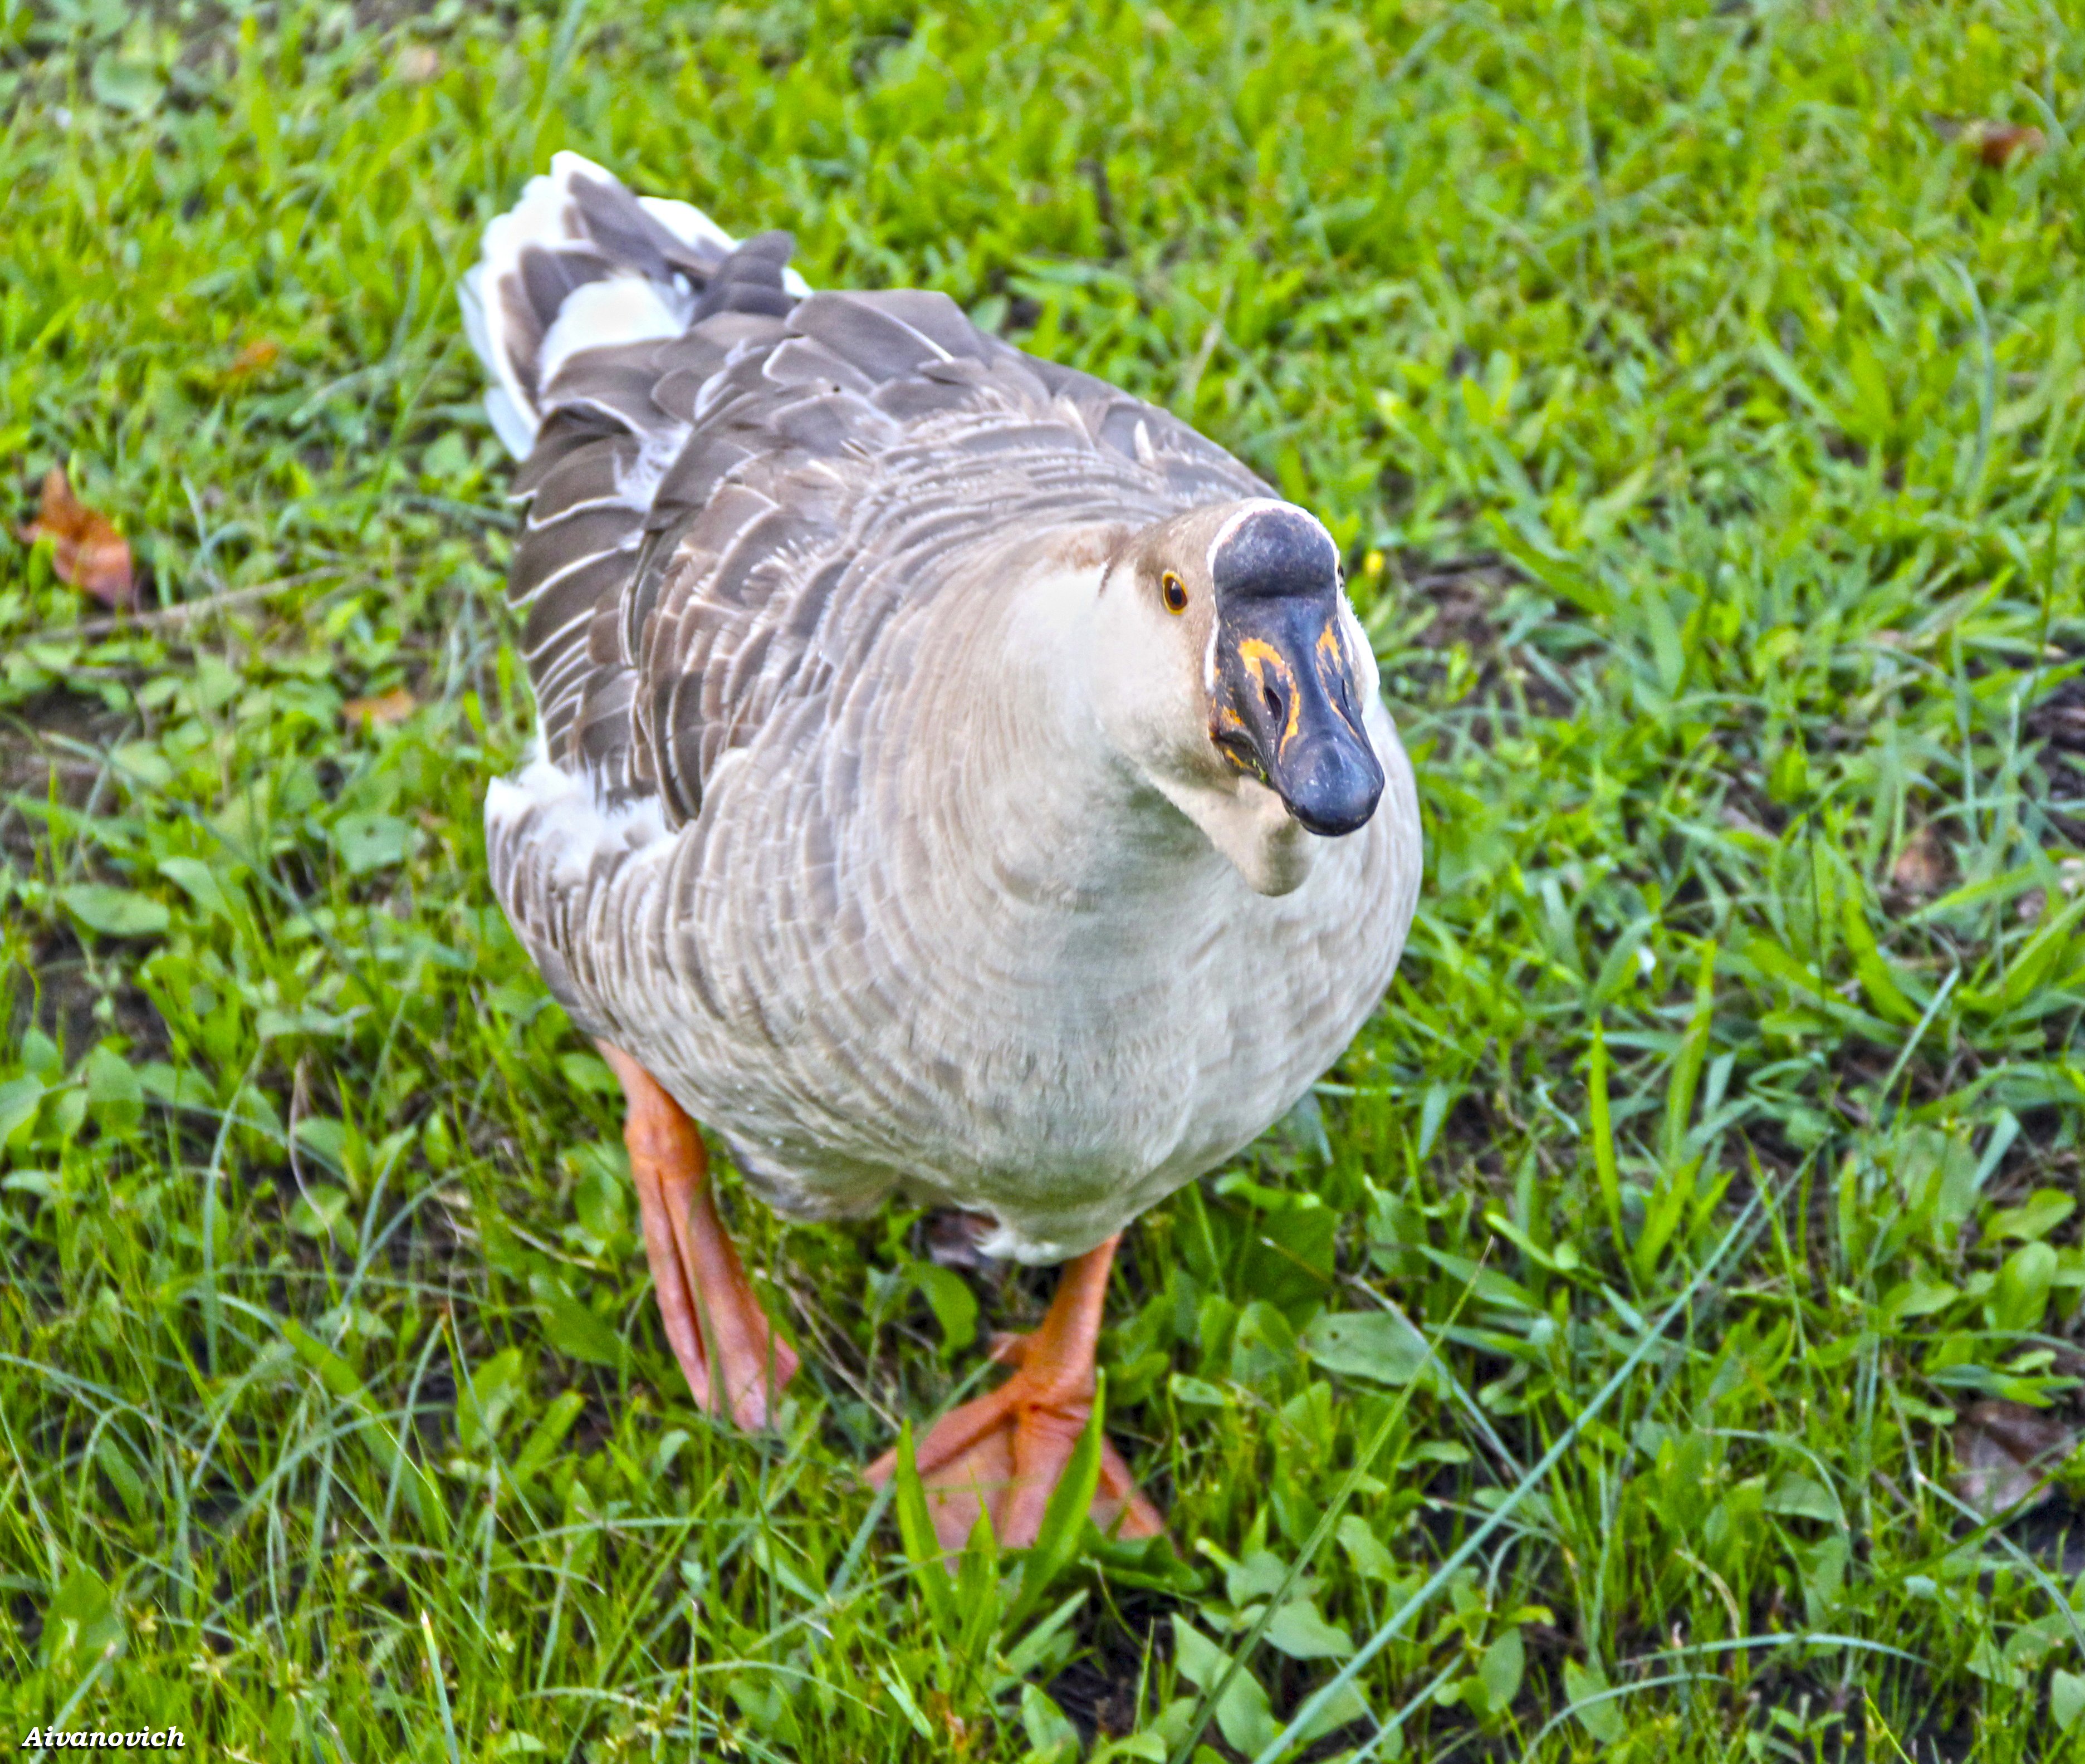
[511, 420]
[599, 314]
[470, 296]
[516, 433]
[571, 822]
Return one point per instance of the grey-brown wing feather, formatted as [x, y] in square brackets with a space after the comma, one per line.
[719, 524]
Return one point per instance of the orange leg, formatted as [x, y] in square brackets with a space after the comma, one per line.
[734, 1361]
[1006, 1453]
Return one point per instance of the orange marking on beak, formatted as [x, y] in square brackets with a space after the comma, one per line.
[1257, 655]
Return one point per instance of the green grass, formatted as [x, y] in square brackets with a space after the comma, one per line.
[1703, 419]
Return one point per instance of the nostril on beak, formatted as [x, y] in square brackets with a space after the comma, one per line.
[1273, 701]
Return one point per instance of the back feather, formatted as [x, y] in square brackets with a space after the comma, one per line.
[741, 496]
[580, 263]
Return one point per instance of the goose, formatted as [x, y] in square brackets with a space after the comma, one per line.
[956, 781]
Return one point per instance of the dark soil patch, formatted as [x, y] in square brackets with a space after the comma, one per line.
[41, 756]
[76, 1002]
[1098, 1691]
[1463, 594]
[2058, 723]
[1467, 598]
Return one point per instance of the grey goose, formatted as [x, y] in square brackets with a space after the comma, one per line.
[957, 780]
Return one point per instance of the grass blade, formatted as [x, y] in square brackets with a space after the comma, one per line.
[1385, 1635]
[923, 1549]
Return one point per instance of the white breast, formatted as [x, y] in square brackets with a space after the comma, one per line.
[955, 949]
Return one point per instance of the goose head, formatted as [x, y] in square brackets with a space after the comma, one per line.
[1231, 673]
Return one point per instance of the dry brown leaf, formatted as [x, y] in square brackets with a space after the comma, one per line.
[256, 357]
[1925, 865]
[2008, 1453]
[392, 706]
[86, 551]
[1997, 143]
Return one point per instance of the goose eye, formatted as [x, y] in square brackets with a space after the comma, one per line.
[1175, 591]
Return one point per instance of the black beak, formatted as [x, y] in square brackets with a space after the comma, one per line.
[1284, 709]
